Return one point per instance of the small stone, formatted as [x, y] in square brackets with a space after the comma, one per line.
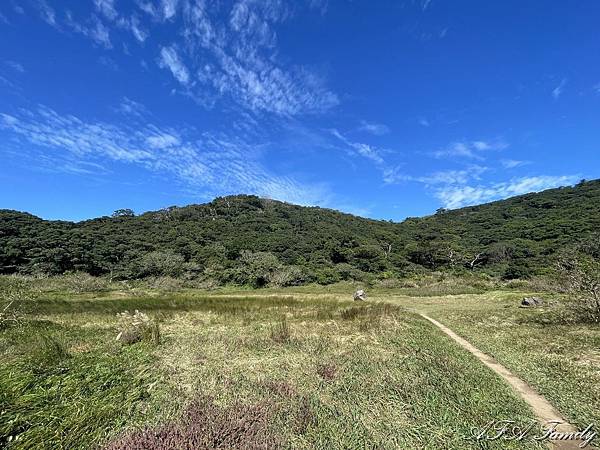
[360, 295]
[531, 302]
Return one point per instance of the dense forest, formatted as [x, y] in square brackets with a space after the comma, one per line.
[249, 240]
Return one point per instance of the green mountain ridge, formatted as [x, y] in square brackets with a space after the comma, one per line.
[246, 239]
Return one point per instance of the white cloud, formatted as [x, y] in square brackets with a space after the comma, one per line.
[471, 150]
[364, 150]
[378, 129]
[169, 8]
[512, 163]
[132, 108]
[140, 34]
[93, 29]
[235, 59]
[203, 162]
[14, 65]
[425, 4]
[239, 60]
[558, 90]
[169, 59]
[481, 145]
[446, 177]
[9, 120]
[8, 83]
[459, 196]
[162, 141]
[454, 176]
[148, 7]
[424, 122]
[107, 8]
[48, 14]
[597, 88]
[99, 34]
[108, 62]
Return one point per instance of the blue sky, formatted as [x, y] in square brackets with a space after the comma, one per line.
[384, 109]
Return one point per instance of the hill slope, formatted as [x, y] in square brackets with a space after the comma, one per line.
[245, 239]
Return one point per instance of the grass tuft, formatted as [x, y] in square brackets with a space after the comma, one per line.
[280, 332]
[47, 351]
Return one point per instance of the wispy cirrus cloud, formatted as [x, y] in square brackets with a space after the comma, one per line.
[107, 8]
[445, 177]
[233, 60]
[169, 59]
[378, 129]
[425, 4]
[512, 163]
[558, 90]
[92, 28]
[460, 196]
[208, 164]
[14, 65]
[132, 108]
[97, 25]
[138, 32]
[163, 141]
[239, 60]
[47, 13]
[463, 187]
[162, 10]
[18, 8]
[365, 150]
[169, 8]
[471, 150]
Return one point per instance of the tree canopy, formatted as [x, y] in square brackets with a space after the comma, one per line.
[250, 240]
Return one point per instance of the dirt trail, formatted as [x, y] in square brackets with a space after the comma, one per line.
[542, 409]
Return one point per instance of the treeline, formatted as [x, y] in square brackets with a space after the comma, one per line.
[249, 240]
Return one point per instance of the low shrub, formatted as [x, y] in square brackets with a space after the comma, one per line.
[17, 297]
[205, 425]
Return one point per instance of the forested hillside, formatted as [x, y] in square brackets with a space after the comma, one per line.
[248, 240]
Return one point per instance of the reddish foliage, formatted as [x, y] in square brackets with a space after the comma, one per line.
[327, 371]
[281, 388]
[205, 425]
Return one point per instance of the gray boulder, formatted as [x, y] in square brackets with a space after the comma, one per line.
[360, 295]
[531, 302]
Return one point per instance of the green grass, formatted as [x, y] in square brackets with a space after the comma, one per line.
[561, 361]
[326, 372]
[64, 386]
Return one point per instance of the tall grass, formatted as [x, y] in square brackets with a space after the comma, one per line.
[235, 371]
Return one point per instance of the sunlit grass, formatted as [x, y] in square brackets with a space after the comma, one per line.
[562, 361]
[326, 372]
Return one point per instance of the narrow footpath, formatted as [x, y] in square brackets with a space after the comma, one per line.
[541, 407]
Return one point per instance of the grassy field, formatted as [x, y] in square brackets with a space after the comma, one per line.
[304, 368]
[562, 361]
